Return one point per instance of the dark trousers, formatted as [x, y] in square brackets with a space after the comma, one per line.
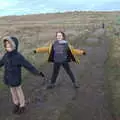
[56, 69]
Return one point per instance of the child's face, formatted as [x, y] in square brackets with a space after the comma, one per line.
[59, 36]
[8, 46]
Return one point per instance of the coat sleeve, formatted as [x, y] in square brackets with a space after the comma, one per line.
[23, 62]
[42, 50]
[76, 51]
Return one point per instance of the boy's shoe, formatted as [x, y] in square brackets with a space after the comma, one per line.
[76, 85]
[21, 110]
[15, 109]
[50, 86]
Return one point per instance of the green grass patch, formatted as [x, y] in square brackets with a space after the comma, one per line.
[112, 70]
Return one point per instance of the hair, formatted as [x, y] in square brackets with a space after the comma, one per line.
[5, 42]
[8, 42]
[63, 34]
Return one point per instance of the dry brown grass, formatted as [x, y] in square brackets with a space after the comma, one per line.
[38, 30]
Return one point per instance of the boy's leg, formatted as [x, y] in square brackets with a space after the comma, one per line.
[15, 99]
[21, 99]
[56, 69]
[69, 72]
[14, 95]
[20, 96]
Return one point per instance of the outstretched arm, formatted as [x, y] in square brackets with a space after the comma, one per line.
[41, 50]
[23, 62]
[78, 52]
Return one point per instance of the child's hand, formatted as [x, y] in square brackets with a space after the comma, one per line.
[84, 53]
[34, 51]
[41, 74]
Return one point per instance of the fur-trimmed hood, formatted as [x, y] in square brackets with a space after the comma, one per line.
[13, 40]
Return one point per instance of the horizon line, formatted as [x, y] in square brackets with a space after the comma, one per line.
[61, 12]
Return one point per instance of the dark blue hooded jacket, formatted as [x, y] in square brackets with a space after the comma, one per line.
[12, 62]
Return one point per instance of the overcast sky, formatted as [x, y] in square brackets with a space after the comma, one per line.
[20, 7]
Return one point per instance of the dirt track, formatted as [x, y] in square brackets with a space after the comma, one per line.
[64, 102]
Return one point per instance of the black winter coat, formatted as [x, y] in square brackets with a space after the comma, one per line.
[12, 63]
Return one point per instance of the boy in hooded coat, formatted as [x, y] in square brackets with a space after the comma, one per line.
[12, 62]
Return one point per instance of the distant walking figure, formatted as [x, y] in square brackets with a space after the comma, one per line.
[103, 25]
